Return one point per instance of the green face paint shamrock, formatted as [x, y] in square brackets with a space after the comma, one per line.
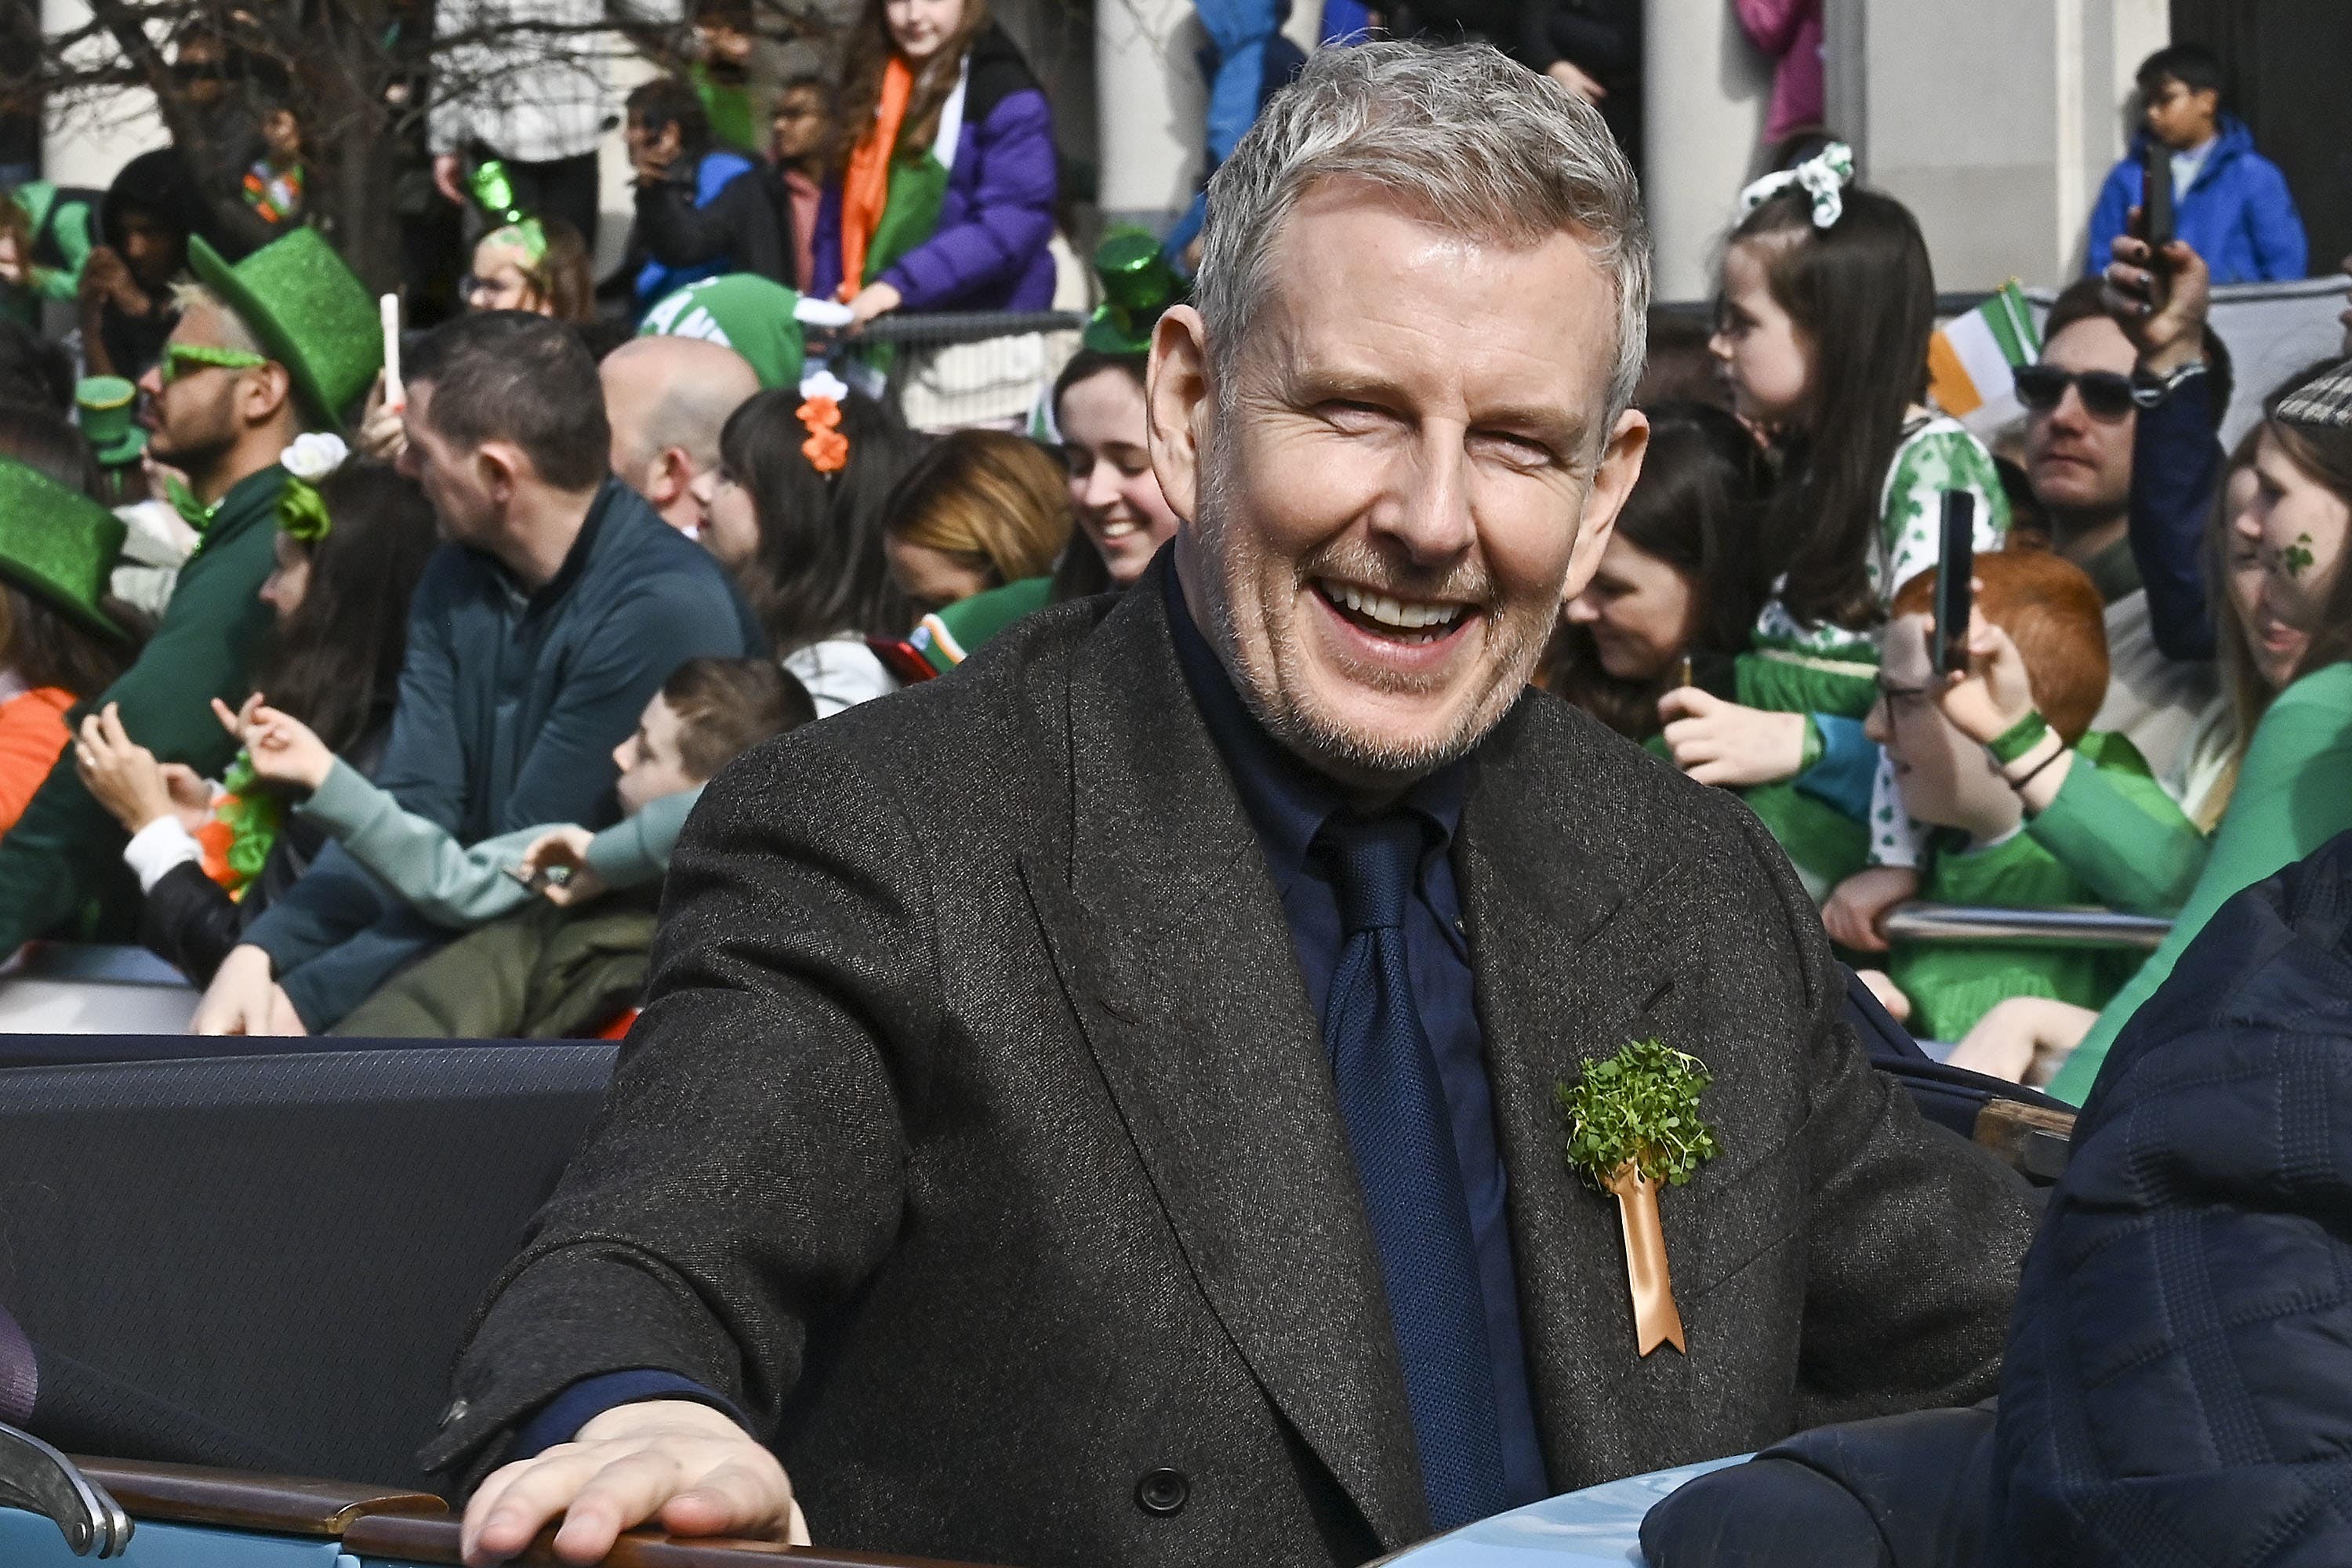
[2298, 556]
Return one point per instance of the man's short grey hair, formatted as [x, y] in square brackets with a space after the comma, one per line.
[1464, 135]
[242, 338]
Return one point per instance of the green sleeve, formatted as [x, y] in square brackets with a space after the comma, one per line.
[72, 231]
[64, 846]
[2124, 837]
[417, 859]
[2289, 801]
[636, 849]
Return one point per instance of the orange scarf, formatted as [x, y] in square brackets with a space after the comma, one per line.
[866, 184]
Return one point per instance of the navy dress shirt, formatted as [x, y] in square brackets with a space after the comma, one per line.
[1288, 803]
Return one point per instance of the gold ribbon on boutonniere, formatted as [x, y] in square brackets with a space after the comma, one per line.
[1633, 1126]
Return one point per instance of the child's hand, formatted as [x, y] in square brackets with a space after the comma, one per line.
[1890, 995]
[2025, 1039]
[282, 748]
[192, 795]
[1720, 743]
[124, 776]
[1996, 692]
[557, 863]
[1861, 900]
[383, 434]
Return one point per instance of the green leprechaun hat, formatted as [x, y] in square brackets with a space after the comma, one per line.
[1138, 285]
[58, 545]
[107, 403]
[310, 311]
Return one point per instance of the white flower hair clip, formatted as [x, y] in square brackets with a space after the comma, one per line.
[1823, 176]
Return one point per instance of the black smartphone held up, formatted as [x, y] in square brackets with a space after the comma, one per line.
[1955, 570]
[2156, 194]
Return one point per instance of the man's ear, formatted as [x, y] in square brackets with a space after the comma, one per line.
[267, 389]
[672, 474]
[501, 466]
[1179, 402]
[1612, 481]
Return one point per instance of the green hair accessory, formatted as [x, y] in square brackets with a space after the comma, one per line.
[528, 236]
[302, 513]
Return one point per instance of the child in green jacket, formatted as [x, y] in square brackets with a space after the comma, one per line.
[707, 712]
[1982, 854]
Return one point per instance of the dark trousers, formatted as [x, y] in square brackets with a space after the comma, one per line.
[560, 187]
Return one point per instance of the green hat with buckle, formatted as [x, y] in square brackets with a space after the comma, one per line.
[1137, 286]
[309, 311]
[57, 544]
[107, 403]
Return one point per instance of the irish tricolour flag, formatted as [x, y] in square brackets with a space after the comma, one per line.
[1972, 359]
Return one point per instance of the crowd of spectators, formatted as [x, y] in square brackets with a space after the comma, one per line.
[377, 703]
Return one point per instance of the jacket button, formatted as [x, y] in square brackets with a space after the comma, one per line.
[1163, 1492]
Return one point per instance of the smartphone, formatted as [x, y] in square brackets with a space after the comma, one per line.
[1955, 570]
[2156, 194]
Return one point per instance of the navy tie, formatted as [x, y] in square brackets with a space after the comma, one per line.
[1398, 1128]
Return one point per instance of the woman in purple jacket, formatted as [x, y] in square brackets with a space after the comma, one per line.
[946, 199]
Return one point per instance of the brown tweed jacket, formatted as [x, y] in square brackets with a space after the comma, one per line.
[977, 1139]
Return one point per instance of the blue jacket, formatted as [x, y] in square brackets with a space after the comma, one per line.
[511, 704]
[2237, 215]
[2178, 1382]
[713, 174]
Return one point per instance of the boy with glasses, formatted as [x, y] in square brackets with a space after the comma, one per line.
[1985, 854]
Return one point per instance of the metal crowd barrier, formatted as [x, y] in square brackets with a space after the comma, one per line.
[962, 368]
[2034, 928]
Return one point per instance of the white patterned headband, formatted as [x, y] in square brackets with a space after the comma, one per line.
[1823, 176]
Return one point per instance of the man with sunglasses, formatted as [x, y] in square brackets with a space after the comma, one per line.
[2082, 418]
[232, 388]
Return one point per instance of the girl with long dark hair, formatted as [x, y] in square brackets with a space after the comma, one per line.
[1827, 304]
[351, 543]
[805, 542]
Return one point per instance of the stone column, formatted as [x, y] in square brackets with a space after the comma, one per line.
[1151, 107]
[1707, 92]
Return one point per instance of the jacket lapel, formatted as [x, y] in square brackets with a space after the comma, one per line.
[1564, 970]
[1170, 942]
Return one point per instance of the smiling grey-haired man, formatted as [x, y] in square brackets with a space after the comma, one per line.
[1099, 1108]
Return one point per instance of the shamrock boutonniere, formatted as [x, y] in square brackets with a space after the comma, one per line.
[1632, 1127]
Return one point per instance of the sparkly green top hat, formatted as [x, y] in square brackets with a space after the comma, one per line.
[58, 545]
[107, 403]
[1138, 285]
[310, 311]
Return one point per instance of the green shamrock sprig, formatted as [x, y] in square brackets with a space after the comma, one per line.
[1639, 1106]
[2299, 557]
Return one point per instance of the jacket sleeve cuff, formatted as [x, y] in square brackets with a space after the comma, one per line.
[343, 801]
[632, 853]
[561, 1417]
[155, 848]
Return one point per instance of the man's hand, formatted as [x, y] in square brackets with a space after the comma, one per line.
[383, 433]
[106, 276]
[243, 999]
[563, 848]
[2170, 334]
[122, 775]
[1861, 900]
[446, 169]
[1720, 743]
[684, 1465]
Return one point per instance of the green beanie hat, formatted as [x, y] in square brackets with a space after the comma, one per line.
[743, 312]
[57, 544]
[311, 313]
